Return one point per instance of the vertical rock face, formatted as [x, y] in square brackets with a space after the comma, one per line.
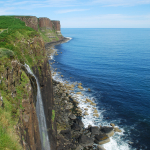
[56, 25]
[30, 21]
[45, 22]
[45, 81]
[27, 127]
[34, 22]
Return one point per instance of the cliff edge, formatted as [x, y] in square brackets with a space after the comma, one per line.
[22, 41]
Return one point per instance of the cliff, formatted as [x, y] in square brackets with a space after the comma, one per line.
[42, 22]
[20, 45]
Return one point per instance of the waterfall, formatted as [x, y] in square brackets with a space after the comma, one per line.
[40, 114]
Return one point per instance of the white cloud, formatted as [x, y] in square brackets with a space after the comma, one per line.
[70, 10]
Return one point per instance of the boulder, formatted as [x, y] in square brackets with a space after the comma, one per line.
[66, 133]
[79, 93]
[72, 116]
[95, 111]
[94, 130]
[117, 129]
[96, 115]
[86, 113]
[88, 100]
[112, 124]
[102, 142]
[107, 130]
[99, 147]
[80, 87]
[102, 138]
[85, 140]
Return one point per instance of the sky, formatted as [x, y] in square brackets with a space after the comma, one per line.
[84, 13]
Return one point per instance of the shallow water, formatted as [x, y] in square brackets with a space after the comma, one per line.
[115, 65]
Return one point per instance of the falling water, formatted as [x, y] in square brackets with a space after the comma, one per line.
[40, 115]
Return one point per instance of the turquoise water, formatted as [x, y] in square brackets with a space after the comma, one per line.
[115, 65]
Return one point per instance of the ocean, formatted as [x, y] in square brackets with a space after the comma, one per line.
[115, 65]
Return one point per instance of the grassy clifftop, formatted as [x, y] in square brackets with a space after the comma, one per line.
[19, 44]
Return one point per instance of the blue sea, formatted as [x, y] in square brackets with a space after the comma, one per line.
[115, 65]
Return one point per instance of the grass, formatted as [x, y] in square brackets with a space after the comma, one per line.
[17, 43]
[9, 114]
[53, 115]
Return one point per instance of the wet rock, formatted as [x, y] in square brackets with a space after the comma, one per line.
[95, 111]
[80, 87]
[88, 100]
[89, 89]
[79, 93]
[96, 115]
[72, 116]
[117, 129]
[101, 139]
[107, 130]
[112, 124]
[86, 113]
[85, 140]
[99, 147]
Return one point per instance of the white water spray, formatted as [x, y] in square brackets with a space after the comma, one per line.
[40, 114]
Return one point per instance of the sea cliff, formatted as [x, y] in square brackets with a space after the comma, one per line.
[29, 41]
[22, 41]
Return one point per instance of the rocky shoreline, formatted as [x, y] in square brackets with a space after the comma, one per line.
[71, 133]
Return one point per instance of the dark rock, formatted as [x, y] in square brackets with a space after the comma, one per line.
[79, 122]
[107, 130]
[94, 130]
[76, 127]
[85, 140]
[101, 136]
[66, 133]
[102, 142]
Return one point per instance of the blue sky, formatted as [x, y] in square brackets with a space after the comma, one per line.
[85, 13]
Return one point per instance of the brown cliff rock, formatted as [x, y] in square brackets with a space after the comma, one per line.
[30, 21]
[45, 22]
[27, 127]
[45, 81]
[56, 25]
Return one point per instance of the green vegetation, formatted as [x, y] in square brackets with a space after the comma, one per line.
[53, 115]
[6, 53]
[46, 33]
[9, 113]
[19, 39]
[24, 45]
